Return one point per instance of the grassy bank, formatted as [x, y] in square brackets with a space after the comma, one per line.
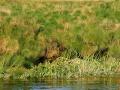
[32, 32]
[63, 68]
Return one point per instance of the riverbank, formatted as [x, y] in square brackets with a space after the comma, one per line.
[52, 39]
[66, 69]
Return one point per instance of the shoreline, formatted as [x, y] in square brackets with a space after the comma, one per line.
[66, 69]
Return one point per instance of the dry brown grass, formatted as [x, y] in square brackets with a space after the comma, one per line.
[8, 46]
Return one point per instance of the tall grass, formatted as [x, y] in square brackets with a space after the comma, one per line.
[81, 27]
[67, 69]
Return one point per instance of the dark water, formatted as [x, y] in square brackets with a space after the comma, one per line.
[79, 84]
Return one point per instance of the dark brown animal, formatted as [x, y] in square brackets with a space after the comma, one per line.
[51, 52]
[100, 53]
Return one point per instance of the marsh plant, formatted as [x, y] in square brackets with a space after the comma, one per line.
[59, 39]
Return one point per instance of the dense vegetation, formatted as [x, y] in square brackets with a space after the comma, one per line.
[59, 39]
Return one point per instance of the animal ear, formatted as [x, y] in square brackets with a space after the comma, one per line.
[100, 53]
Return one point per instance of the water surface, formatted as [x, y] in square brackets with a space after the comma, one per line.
[51, 84]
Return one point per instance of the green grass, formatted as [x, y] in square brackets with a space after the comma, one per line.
[27, 27]
[66, 69]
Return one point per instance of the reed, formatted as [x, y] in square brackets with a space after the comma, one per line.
[81, 28]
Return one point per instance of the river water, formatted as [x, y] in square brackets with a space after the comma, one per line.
[91, 83]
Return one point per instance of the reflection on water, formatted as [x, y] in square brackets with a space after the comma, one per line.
[81, 84]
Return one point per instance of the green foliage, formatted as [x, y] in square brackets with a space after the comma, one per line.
[27, 27]
[67, 69]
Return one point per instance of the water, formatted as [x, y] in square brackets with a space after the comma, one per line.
[79, 84]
